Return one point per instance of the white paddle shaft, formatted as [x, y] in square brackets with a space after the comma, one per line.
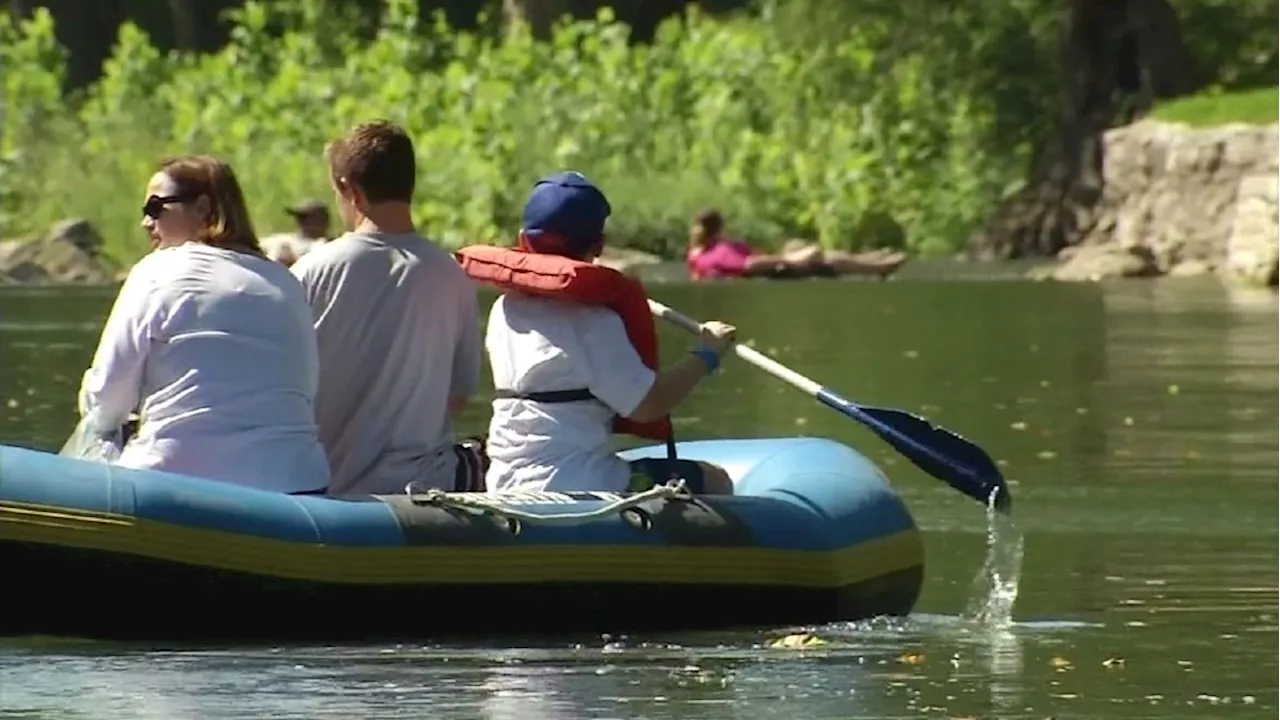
[759, 359]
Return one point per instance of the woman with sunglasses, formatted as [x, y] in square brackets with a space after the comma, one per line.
[211, 343]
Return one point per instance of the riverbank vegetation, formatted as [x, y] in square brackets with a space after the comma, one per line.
[880, 123]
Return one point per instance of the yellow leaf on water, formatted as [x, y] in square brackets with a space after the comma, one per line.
[1060, 663]
[1046, 454]
[912, 659]
[1082, 411]
[911, 354]
[797, 641]
[1173, 390]
[1018, 425]
[1128, 421]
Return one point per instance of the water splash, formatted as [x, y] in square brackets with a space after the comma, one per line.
[995, 588]
[989, 614]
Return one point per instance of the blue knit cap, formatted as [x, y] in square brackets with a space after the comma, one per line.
[569, 206]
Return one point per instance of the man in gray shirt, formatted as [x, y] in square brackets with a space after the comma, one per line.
[397, 325]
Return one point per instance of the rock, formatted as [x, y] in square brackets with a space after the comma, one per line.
[1185, 201]
[1191, 268]
[70, 253]
[1102, 262]
[79, 233]
[1252, 250]
[627, 260]
[19, 264]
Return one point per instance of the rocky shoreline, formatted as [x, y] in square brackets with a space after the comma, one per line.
[69, 254]
[1179, 201]
[1176, 201]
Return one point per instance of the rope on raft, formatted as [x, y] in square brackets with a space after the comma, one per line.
[479, 504]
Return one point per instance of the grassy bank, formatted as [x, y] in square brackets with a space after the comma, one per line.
[834, 143]
[1254, 107]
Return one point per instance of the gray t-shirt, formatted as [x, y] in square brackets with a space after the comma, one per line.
[398, 331]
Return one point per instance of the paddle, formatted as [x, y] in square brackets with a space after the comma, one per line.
[937, 451]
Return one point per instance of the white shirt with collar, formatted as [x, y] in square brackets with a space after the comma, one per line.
[539, 345]
[217, 351]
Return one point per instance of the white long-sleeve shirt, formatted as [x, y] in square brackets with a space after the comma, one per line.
[217, 351]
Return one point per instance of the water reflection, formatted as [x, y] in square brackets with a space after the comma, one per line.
[1149, 587]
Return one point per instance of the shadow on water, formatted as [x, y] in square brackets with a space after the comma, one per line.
[1137, 424]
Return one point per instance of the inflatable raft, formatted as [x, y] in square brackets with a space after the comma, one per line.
[815, 534]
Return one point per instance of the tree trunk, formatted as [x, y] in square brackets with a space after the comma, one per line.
[540, 15]
[186, 33]
[1115, 59]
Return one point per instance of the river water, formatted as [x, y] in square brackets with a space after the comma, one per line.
[1137, 423]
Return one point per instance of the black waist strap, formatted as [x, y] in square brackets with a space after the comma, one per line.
[550, 396]
[567, 396]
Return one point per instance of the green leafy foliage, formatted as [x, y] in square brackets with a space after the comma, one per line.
[819, 144]
[858, 124]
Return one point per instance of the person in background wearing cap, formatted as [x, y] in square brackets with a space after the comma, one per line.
[397, 326]
[312, 217]
[540, 345]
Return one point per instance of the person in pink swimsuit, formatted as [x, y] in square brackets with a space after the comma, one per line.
[712, 254]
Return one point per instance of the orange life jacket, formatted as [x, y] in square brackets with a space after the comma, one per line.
[553, 276]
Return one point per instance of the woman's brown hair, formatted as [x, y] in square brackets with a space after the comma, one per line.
[706, 226]
[227, 223]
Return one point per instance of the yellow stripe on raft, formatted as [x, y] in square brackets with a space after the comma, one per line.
[455, 564]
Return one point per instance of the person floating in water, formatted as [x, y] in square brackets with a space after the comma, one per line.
[712, 254]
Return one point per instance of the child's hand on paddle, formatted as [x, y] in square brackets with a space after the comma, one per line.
[717, 336]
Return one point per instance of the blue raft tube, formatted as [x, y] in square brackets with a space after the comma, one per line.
[815, 534]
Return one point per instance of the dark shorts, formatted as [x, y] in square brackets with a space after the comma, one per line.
[648, 472]
[471, 467]
[473, 463]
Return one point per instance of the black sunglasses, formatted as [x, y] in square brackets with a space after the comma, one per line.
[156, 204]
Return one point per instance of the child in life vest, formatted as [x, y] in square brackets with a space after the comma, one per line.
[564, 369]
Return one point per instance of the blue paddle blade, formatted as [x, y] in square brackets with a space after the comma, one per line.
[935, 450]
